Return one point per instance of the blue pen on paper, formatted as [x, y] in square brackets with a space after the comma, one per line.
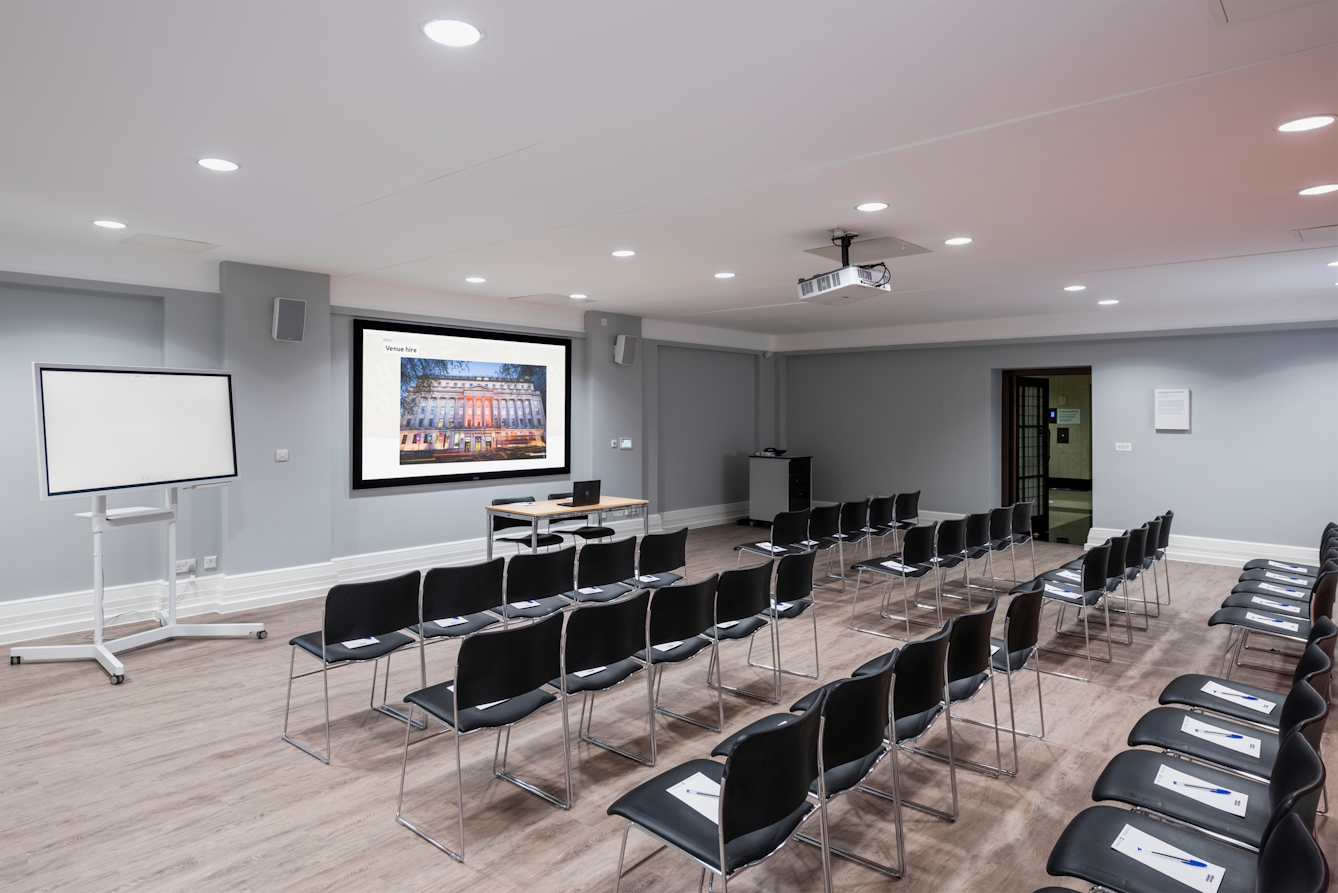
[700, 793]
[1202, 787]
[1194, 862]
[1221, 734]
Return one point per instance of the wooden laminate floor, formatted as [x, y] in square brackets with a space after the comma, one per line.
[178, 780]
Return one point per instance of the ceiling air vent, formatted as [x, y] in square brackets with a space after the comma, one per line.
[167, 243]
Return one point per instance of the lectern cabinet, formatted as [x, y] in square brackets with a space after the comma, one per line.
[779, 484]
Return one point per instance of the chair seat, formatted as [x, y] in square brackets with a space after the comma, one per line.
[1002, 543]
[591, 532]
[791, 609]
[1188, 691]
[663, 578]
[962, 689]
[439, 701]
[740, 630]
[651, 806]
[770, 551]
[974, 552]
[336, 653]
[839, 779]
[472, 624]
[1271, 604]
[1020, 538]
[1282, 567]
[1131, 778]
[948, 561]
[607, 593]
[1083, 851]
[1007, 662]
[1272, 590]
[915, 725]
[605, 678]
[1073, 596]
[1273, 623]
[1161, 727]
[545, 540]
[1281, 578]
[876, 565]
[828, 542]
[687, 649]
[543, 608]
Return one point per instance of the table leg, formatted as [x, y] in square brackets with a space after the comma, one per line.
[534, 535]
[645, 519]
[487, 532]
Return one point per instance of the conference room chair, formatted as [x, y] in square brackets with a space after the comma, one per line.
[852, 524]
[585, 530]
[544, 540]
[913, 562]
[1022, 529]
[1274, 624]
[459, 601]
[789, 530]
[1327, 538]
[792, 599]
[1019, 650]
[976, 545]
[882, 515]
[1084, 595]
[1134, 549]
[1277, 589]
[1001, 537]
[905, 513]
[949, 552]
[1163, 543]
[855, 714]
[603, 568]
[537, 584]
[1150, 561]
[500, 679]
[824, 523]
[919, 697]
[598, 648]
[742, 610]
[676, 622]
[661, 555]
[744, 810]
[360, 622]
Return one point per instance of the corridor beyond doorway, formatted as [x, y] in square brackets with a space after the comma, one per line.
[1047, 449]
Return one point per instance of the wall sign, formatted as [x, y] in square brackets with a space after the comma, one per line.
[1171, 409]
[1070, 416]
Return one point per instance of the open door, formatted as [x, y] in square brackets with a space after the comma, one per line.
[1032, 474]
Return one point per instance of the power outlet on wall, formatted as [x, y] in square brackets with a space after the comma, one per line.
[186, 566]
[211, 562]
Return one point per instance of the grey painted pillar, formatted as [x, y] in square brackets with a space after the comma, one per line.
[615, 404]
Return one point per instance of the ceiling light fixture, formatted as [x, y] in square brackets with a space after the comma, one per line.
[1324, 189]
[957, 240]
[623, 252]
[452, 32]
[1075, 288]
[1107, 302]
[1333, 263]
[475, 279]
[872, 206]
[724, 275]
[577, 297]
[1313, 122]
[218, 164]
[112, 224]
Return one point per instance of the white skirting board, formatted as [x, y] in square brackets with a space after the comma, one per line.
[1225, 553]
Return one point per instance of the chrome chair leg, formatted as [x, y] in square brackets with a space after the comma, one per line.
[384, 706]
[287, 708]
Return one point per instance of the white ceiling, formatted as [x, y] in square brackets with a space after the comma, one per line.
[1127, 146]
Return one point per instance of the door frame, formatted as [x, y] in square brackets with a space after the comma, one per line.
[1008, 436]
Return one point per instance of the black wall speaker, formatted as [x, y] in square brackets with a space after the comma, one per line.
[624, 350]
[290, 319]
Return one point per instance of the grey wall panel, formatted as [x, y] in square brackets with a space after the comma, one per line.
[614, 397]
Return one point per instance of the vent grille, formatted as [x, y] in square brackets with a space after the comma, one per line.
[821, 283]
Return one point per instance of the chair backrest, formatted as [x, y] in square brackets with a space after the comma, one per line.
[358, 610]
[1022, 517]
[1022, 622]
[1322, 595]
[1153, 537]
[969, 642]
[767, 775]
[977, 530]
[918, 545]
[1294, 786]
[794, 577]
[1135, 551]
[1315, 667]
[788, 528]
[854, 516]
[678, 613]
[1094, 567]
[882, 511]
[1324, 633]
[466, 589]
[1115, 558]
[920, 667]
[504, 523]
[907, 506]
[662, 552]
[856, 714]
[540, 575]
[604, 563]
[1291, 861]
[744, 592]
[1165, 539]
[604, 633]
[1304, 711]
[951, 537]
[1001, 522]
[823, 521]
[566, 495]
[494, 665]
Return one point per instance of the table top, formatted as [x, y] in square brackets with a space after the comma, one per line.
[543, 508]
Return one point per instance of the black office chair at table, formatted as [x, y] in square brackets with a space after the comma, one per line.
[792, 599]
[603, 568]
[584, 530]
[539, 584]
[788, 532]
[742, 609]
[661, 554]
[535, 540]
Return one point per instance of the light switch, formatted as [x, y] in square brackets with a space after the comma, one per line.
[614, 443]
[280, 455]
[626, 443]
[1124, 447]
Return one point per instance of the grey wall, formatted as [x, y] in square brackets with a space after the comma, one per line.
[614, 398]
[1258, 465]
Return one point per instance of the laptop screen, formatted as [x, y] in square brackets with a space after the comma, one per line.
[585, 493]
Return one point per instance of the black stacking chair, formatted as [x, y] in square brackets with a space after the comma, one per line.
[544, 540]
[676, 623]
[1150, 560]
[852, 529]
[742, 609]
[586, 531]
[882, 517]
[661, 554]
[603, 567]
[1134, 551]
[598, 648]
[977, 545]
[460, 601]
[913, 562]
[537, 584]
[919, 696]
[1163, 543]
[1018, 650]
[949, 552]
[1328, 538]
[761, 799]
[1001, 537]
[905, 513]
[360, 622]
[1115, 579]
[1089, 592]
[1293, 786]
[1022, 532]
[499, 680]
[792, 599]
[1290, 862]
[788, 532]
[1276, 586]
[1273, 623]
[824, 524]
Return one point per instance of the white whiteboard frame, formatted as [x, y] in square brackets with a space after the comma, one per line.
[43, 480]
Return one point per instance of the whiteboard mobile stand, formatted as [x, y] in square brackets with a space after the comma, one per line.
[150, 385]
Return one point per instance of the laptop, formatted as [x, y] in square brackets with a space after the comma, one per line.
[583, 493]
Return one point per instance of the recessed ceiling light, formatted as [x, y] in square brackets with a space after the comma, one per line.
[112, 224]
[724, 275]
[452, 32]
[218, 164]
[1311, 123]
[1333, 263]
[957, 240]
[1108, 301]
[1075, 288]
[475, 279]
[577, 297]
[1318, 190]
[872, 206]
[623, 252]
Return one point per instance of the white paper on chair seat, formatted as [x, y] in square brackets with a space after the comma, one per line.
[706, 802]
[1238, 697]
[451, 688]
[667, 646]
[1280, 590]
[727, 624]
[450, 621]
[897, 566]
[590, 672]
[1226, 800]
[360, 643]
[1287, 567]
[1272, 621]
[1070, 575]
[648, 578]
[1276, 606]
[1272, 576]
[769, 547]
[528, 603]
[1204, 877]
[590, 590]
[994, 649]
[839, 536]
[783, 606]
[809, 542]
[1221, 737]
[1056, 590]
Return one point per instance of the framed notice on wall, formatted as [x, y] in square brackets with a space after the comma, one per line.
[1170, 409]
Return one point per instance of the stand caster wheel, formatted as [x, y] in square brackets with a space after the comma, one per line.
[117, 680]
[263, 634]
[14, 660]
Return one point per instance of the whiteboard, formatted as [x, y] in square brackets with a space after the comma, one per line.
[106, 428]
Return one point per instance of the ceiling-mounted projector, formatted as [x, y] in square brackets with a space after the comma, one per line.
[851, 283]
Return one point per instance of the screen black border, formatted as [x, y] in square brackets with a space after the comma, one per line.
[355, 453]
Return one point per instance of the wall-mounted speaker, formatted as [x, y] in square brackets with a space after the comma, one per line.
[290, 319]
[624, 350]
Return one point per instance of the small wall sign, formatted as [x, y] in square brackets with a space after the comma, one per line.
[1171, 409]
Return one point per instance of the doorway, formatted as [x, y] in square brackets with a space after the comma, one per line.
[1047, 449]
